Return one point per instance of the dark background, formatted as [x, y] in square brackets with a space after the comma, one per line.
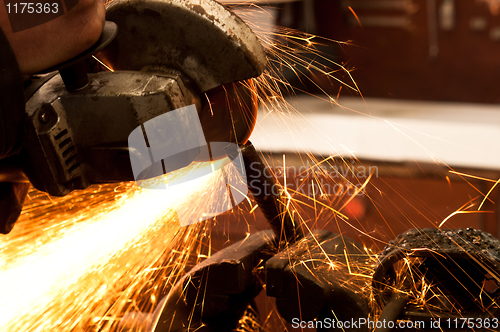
[389, 61]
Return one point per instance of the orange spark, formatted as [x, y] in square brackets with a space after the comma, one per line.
[108, 67]
[355, 15]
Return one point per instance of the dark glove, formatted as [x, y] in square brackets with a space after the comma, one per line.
[12, 114]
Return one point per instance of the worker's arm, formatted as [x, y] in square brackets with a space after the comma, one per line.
[58, 40]
[32, 50]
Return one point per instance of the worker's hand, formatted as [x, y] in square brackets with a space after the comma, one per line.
[57, 40]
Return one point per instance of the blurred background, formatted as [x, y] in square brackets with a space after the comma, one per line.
[439, 50]
[406, 86]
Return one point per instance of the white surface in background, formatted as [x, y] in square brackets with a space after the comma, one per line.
[457, 134]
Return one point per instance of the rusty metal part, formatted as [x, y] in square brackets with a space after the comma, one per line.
[455, 262]
[305, 281]
[263, 188]
[78, 138]
[200, 38]
[470, 244]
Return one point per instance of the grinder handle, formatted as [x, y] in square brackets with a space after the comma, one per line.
[73, 71]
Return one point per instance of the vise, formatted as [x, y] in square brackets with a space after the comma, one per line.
[423, 277]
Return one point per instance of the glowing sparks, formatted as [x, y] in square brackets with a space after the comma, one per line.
[42, 276]
[349, 268]
[488, 194]
[461, 210]
[102, 63]
[254, 208]
[94, 254]
[91, 258]
[355, 15]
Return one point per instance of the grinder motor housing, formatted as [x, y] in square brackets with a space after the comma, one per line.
[165, 55]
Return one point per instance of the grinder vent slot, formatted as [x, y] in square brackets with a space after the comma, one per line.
[64, 141]
[68, 151]
[61, 134]
[73, 168]
[70, 159]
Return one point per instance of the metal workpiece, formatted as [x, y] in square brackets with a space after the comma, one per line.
[262, 186]
[311, 279]
[392, 310]
[200, 38]
[457, 263]
[215, 293]
[275, 267]
[78, 138]
[468, 244]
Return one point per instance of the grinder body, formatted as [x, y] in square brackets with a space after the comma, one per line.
[167, 55]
